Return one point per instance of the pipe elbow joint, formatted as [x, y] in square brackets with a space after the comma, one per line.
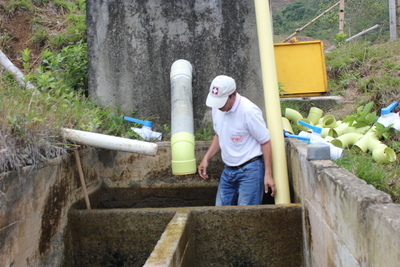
[383, 154]
[346, 140]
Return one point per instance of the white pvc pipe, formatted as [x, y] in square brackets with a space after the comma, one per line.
[181, 97]
[182, 132]
[110, 142]
[18, 75]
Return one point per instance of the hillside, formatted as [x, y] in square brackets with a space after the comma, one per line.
[279, 4]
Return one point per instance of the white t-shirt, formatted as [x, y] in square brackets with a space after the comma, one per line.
[241, 131]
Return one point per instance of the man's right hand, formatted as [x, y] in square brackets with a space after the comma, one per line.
[202, 169]
[212, 150]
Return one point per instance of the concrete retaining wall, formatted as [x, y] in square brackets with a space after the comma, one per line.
[132, 45]
[34, 205]
[345, 221]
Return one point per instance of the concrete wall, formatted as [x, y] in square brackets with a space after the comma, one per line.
[34, 205]
[119, 237]
[132, 45]
[195, 236]
[345, 221]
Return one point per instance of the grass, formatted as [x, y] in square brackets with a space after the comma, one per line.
[31, 121]
[383, 177]
[373, 70]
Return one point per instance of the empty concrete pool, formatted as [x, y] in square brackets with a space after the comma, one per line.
[265, 235]
[144, 215]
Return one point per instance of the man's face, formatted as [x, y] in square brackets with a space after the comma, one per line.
[229, 103]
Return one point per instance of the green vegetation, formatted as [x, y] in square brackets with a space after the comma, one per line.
[384, 177]
[206, 133]
[372, 70]
[359, 15]
[372, 73]
[31, 119]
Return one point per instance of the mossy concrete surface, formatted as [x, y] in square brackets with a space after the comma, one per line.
[120, 237]
[34, 204]
[197, 236]
[132, 45]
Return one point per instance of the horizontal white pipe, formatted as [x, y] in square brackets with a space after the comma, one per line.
[110, 142]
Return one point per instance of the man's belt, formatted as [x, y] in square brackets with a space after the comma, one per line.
[247, 162]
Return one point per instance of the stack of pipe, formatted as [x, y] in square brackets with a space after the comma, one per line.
[341, 134]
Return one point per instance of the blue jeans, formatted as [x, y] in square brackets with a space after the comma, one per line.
[241, 186]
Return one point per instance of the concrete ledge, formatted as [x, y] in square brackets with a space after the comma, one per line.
[173, 245]
[346, 222]
[323, 102]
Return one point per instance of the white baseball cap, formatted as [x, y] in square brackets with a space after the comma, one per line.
[221, 87]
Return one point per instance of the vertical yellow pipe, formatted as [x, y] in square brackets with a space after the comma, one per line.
[272, 101]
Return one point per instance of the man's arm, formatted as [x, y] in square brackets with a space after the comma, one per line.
[212, 150]
[268, 180]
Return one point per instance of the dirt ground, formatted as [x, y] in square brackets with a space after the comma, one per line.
[349, 104]
[18, 30]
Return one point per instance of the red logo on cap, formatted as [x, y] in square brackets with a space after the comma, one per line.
[215, 90]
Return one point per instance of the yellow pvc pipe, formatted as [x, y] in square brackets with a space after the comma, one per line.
[326, 132]
[314, 115]
[182, 152]
[380, 152]
[286, 125]
[340, 129]
[383, 154]
[352, 129]
[366, 140]
[329, 121]
[292, 115]
[346, 140]
[272, 101]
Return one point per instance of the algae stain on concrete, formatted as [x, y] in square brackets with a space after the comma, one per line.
[52, 212]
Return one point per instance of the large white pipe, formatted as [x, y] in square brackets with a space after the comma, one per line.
[182, 132]
[272, 101]
[110, 142]
[18, 75]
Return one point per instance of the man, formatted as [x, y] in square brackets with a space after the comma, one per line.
[244, 142]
